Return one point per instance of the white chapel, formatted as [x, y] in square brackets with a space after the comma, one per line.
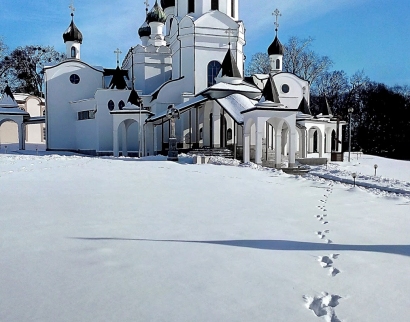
[191, 58]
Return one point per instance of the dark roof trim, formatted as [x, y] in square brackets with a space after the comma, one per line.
[155, 94]
[269, 109]
[72, 60]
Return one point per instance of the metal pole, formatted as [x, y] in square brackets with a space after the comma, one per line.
[139, 135]
[350, 134]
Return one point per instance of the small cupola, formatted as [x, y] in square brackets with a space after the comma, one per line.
[144, 32]
[276, 50]
[73, 38]
[156, 14]
[156, 19]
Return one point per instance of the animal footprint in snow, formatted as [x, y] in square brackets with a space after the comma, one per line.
[325, 222]
[333, 271]
[320, 234]
[323, 305]
[325, 261]
[328, 241]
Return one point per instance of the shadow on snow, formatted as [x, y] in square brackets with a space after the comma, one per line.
[276, 245]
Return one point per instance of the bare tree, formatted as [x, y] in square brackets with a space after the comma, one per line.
[302, 61]
[298, 59]
[259, 64]
[24, 67]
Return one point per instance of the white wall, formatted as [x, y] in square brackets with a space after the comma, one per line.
[61, 118]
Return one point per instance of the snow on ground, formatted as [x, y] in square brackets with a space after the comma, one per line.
[118, 239]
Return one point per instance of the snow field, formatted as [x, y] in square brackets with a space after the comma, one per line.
[105, 239]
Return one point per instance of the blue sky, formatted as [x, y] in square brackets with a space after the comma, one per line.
[356, 34]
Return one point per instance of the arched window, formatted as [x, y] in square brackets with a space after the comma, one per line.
[73, 52]
[191, 6]
[214, 4]
[229, 134]
[111, 105]
[121, 105]
[278, 63]
[213, 69]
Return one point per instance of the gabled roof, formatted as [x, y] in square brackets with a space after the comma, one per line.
[229, 67]
[270, 92]
[8, 104]
[73, 33]
[304, 107]
[117, 81]
[134, 98]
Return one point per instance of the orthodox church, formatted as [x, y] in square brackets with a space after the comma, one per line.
[190, 58]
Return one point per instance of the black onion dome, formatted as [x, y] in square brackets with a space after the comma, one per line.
[156, 14]
[73, 33]
[167, 3]
[276, 48]
[145, 30]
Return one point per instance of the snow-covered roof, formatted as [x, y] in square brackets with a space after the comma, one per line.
[235, 104]
[8, 104]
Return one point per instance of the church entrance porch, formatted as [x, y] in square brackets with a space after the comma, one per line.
[128, 132]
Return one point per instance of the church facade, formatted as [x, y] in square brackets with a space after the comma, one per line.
[191, 58]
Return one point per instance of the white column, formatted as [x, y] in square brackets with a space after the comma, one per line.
[246, 148]
[278, 148]
[292, 147]
[303, 143]
[258, 143]
[321, 143]
[216, 115]
[124, 139]
[116, 149]
[22, 136]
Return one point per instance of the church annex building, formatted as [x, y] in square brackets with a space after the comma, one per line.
[190, 57]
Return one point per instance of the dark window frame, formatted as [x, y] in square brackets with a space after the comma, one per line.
[213, 69]
[214, 4]
[74, 79]
[191, 6]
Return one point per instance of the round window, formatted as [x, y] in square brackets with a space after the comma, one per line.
[74, 79]
[121, 105]
[111, 105]
[285, 88]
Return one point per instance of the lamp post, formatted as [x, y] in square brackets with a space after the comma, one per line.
[354, 175]
[350, 111]
[375, 169]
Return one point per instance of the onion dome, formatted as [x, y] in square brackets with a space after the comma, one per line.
[156, 14]
[73, 33]
[167, 3]
[276, 48]
[145, 30]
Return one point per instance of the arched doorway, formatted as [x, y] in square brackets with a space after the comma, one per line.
[9, 135]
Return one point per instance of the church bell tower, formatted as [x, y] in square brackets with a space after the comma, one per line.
[73, 38]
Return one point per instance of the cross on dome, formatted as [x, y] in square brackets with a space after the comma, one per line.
[277, 14]
[229, 32]
[146, 6]
[118, 52]
[71, 6]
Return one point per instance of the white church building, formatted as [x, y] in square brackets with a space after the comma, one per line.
[190, 57]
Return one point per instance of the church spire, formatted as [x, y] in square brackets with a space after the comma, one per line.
[276, 50]
[73, 38]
